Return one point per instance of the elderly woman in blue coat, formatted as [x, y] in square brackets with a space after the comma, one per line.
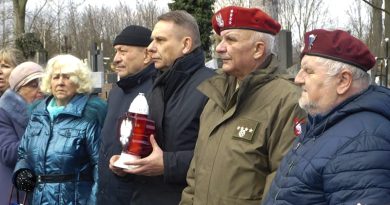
[58, 154]
[14, 114]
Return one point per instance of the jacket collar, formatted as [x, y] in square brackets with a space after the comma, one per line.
[182, 69]
[221, 88]
[13, 103]
[74, 107]
[129, 82]
[374, 99]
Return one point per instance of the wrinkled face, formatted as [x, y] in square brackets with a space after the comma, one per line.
[318, 88]
[236, 50]
[5, 71]
[167, 44]
[128, 60]
[31, 92]
[62, 87]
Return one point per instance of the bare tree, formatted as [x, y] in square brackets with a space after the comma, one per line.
[71, 41]
[44, 24]
[6, 22]
[71, 26]
[387, 37]
[387, 20]
[301, 16]
[45, 28]
[298, 16]
[147, 13]
[36, 13]
[376, 33]
[286, 15]
[359, 19]
[20, 14]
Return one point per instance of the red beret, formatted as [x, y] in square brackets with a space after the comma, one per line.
[340, 46]
[234, 17]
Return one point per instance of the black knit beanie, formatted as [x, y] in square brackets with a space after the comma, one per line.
[133, 36]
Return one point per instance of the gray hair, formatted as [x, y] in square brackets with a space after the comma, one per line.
[361, 78]
[185, 20]
[268, 40]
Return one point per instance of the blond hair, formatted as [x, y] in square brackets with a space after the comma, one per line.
[12, 56]
[68, 64]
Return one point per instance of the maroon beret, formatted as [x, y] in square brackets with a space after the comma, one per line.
[340, 46]
[234, 17]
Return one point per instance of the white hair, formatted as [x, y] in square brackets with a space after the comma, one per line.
[361, 78]
[268, 40]
[68, 64]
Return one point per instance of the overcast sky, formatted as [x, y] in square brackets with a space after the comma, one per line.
[338, 9]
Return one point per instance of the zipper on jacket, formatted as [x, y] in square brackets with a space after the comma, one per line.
[290, 166]
[49, 138]
[276, 195]
[297, 146]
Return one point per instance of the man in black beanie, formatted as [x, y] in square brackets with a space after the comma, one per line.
[135, 70]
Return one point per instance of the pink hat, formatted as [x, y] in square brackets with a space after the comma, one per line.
[23, 74]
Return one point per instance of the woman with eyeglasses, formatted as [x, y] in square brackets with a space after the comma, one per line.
[58, 153]
[14, 114]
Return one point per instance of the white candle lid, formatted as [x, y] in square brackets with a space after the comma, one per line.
[139, 105]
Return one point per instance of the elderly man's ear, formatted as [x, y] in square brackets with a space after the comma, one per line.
[259, 50]
[345, 79]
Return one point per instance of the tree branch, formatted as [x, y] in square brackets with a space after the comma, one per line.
[375, 7]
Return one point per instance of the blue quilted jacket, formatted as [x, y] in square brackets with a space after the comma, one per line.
[68, 145]
[341, 158]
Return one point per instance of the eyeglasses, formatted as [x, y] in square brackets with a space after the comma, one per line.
[33, 84]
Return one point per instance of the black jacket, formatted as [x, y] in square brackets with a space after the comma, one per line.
[113, 189]
[175, 105]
